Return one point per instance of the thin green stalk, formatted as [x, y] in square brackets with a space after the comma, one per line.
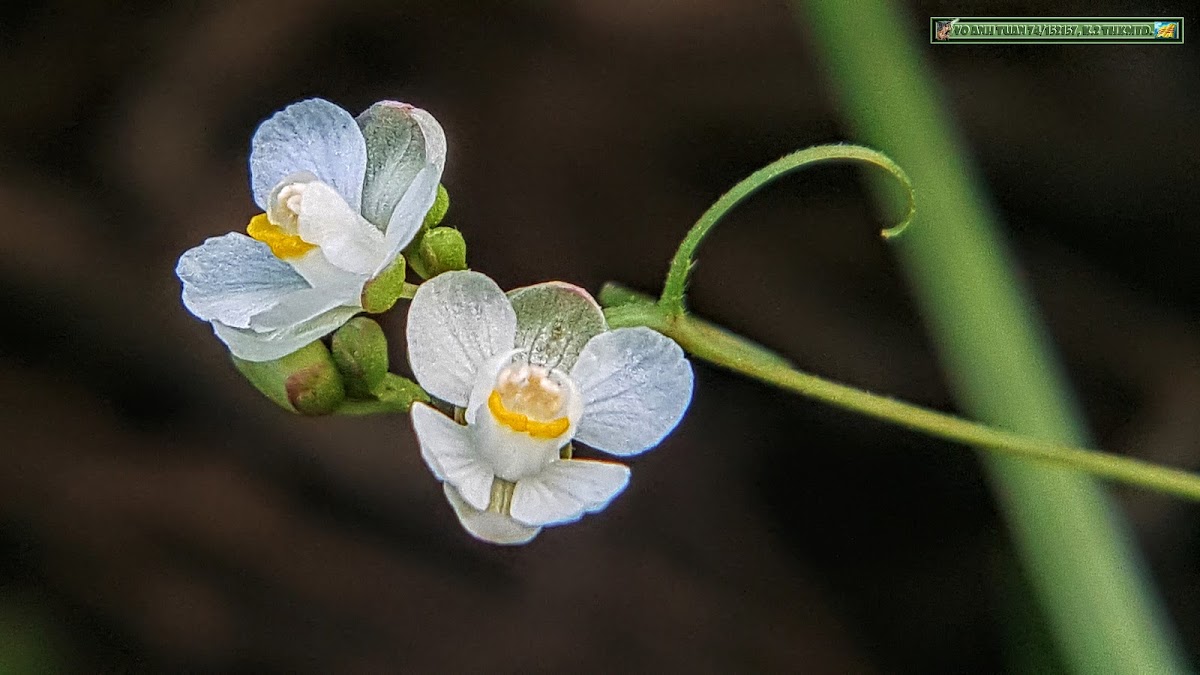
[681, 266]
[716, 345]
[1076, 547]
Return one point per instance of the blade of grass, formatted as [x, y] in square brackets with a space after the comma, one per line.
[1078, 553]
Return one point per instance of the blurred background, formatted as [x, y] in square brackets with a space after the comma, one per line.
[157, 514]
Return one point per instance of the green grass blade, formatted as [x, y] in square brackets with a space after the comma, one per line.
[1084, 567]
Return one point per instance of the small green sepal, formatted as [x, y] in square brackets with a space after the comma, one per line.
[380, 293]
[360, 352]
[306, 381]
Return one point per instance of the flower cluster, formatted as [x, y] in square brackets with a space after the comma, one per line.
[519, 377]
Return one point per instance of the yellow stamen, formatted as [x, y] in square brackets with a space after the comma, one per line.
[518, 422]
[282, 244]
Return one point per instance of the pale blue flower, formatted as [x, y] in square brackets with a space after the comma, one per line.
[341, 197]
[532, 371]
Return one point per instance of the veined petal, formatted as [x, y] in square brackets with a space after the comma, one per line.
[252, 345]
[567, 489]
[346, 239]
[554, 321]
[411, 209]
[313, 135]
[449, 450]
[636, 385]
[320, 273]
[456, 322]
[488, 526]
[304, 305]
[232, 278]
[401, 141]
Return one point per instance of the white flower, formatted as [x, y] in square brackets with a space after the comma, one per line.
[342, 197]
[532, 371]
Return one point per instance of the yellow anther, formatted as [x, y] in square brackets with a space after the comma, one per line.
[518, 422]
[282, 244]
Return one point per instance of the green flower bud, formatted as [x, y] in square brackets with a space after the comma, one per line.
[380, 293]
[360, 351]
[306, 381]
[441, 249]
[395, 394]
[441, 204]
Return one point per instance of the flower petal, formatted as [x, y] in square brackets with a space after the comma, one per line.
[252, 345]
[401, 141]
[304, 305]
[636, 385]
[554, 321]
[313, 135]
[346, 238]
[320, 273]
[232, 278]
[410, 211]
[449, 450]
[456, 322]
[488, 526]
[567, 489]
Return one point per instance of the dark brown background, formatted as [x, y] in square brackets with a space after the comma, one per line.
[156, 514]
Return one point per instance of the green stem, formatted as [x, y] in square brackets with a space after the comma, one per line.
[719, 346]
[681, 266]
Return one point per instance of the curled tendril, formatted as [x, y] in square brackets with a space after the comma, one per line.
[672, 300]
[625, 307]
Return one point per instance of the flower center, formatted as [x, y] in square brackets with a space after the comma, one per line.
[280, 234]
[282, 244]
[289, 199]
[530, 399]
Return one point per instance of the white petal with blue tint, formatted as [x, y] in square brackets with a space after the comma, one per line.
[233, 277]
[410, 211]
[251, 345]
[401, 142]
[448, 450]
[567, 489]
[456, 322]
[491, 527]
[301, 306]
[315, 136]
[636, 385]
[320, 273]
